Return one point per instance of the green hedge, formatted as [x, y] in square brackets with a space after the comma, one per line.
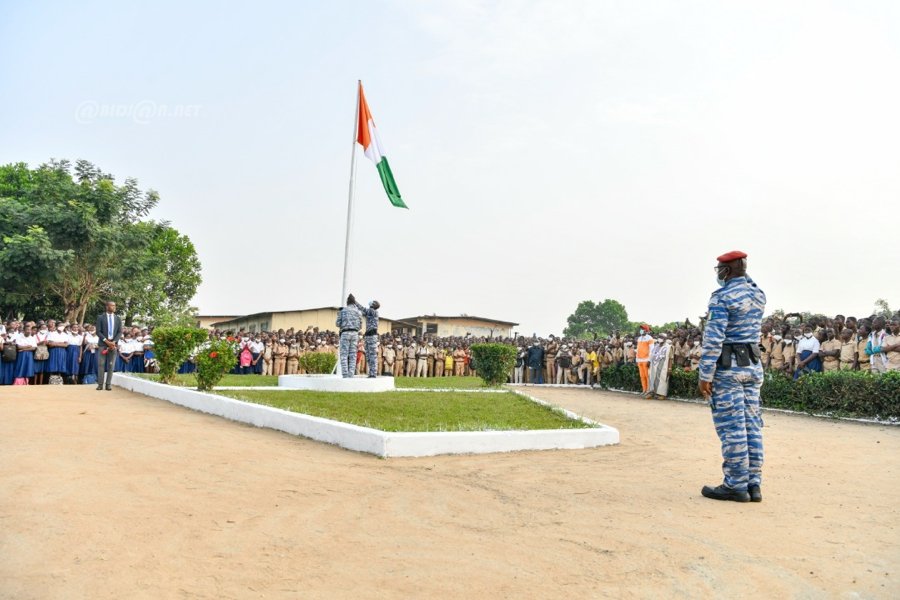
[850, 393]
[494, 362]
[318, 363]
[173, 345]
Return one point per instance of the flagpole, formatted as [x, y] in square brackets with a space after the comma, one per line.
[350, 196]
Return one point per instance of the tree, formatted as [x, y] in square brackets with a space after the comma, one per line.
[594, 319]
[70, 237]
[883, 309]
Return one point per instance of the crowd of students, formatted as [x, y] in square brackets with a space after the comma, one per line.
[54, 352]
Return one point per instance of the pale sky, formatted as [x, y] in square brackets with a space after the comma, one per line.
[588, 150]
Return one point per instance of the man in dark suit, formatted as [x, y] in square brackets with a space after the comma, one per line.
[109, 330]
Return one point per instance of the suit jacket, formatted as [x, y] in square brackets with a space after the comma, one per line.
[102, 326]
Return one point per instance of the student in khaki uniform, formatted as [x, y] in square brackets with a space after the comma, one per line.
[430, 358]
[862, 359]
[847, 356]
[439, 356]
[765, 343]
[459, 362]
[422, 361]
[550, 353]
[790, 353]
[695, 354]
[268, 368]
[400, 361]
[279, 357]
[830, 351]
[411, 360]
[891, 345]
[293, 357]
[388, 356]
[776, 354]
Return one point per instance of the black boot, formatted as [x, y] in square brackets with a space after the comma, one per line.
[722, 492]
[755, 493]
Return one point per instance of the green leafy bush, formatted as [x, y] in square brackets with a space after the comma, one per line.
[318, 363]
[621, 377]
[856, 393]
[173, 346]
[216, 359]
[495, 361]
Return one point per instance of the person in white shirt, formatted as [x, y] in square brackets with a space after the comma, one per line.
[25, 347]
[57, 342]
[89, 355]
[73, 353]
[808, 360]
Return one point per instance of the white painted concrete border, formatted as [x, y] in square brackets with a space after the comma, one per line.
[336, 383]
[373, 441]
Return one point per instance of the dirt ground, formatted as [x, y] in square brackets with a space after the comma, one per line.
[116, 495]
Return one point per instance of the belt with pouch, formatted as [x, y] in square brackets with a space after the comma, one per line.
[371, 332]
[743, 355]
[349, 330]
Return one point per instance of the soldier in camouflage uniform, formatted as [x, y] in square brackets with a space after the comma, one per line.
[370, 339]
[731, 374]
[348, 323]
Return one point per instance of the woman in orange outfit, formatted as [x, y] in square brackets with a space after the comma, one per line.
[643, 356]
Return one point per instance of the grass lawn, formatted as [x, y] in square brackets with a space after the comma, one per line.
[227, 381]
[456, 383]
[412, 411]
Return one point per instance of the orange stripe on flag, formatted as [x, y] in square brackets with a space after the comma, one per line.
[362, 127]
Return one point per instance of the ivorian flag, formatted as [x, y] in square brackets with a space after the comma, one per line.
[367, 136]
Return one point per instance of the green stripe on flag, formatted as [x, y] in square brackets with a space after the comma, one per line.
[390, 186]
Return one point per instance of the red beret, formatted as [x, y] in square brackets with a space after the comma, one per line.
[645, 327]
[730, 256]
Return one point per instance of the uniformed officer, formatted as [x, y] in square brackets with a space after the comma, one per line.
[370, 338]
[731, 375]
[348, 323]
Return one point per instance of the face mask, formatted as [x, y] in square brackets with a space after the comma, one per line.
[696, 343]
[777, 338]
[807, 335]
[788, 342]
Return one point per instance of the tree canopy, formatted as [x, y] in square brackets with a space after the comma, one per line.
[592, 319]
[71, 238]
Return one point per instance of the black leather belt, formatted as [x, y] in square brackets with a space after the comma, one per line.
[349, 330]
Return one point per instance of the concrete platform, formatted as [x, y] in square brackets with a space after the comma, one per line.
[374, 441]
[336, 383]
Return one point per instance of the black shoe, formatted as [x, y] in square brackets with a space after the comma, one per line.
[371, 377]
[725, 493]
[755, 493]
[99, 387]
[109, 388]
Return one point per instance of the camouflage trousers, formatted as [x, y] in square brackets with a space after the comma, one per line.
[738, 421]
[347, 353]
[371, 344]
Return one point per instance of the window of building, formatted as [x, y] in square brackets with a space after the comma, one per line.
[431, 328]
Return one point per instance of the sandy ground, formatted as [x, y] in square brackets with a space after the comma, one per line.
[115, 495]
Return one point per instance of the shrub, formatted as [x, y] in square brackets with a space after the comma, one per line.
[318, 363]
[836, 392]
[621, 377]
[217, 358]
[494, 361]
[173, 346]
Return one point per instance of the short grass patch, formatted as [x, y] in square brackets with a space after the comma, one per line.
[417, 411]
[230, 380]
[455, 383]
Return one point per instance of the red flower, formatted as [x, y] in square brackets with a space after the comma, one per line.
[213, 354]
